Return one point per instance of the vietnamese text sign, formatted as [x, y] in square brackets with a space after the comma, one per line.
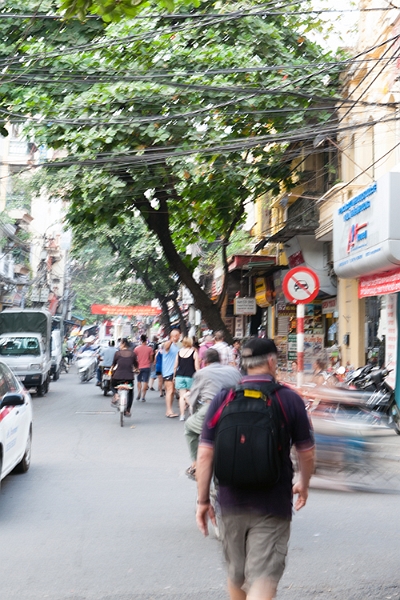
[239, 327]
[244, 306]
[329, 306]
[379, 285]
[109, 309]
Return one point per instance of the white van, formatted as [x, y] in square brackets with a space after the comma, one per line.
[56, 353]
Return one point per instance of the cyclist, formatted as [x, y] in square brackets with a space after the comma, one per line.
[124, 364]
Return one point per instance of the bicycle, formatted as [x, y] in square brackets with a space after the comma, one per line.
[123, 390]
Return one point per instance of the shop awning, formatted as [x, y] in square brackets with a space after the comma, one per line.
[78, 317]
[249, 261]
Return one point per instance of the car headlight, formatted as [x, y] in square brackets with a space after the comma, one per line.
[36, 366]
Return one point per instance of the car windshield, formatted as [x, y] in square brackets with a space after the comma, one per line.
[18, 346]
[8, 382]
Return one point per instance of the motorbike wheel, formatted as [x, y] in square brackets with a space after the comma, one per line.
[105, 391]
[121, 418]
[83, 377]
[394, 412]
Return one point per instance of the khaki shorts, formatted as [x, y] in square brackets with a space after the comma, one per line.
[255, 549]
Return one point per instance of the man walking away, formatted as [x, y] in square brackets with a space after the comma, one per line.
[225, 351]
[144, 355]
[207, 382]
[170, 350]
[255, 519]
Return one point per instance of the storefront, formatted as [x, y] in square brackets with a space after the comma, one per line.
[329, 321]
[366, 237]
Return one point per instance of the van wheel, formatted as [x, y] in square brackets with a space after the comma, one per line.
[57, 374]
[41, 390]
[47, 384]
[25, 463]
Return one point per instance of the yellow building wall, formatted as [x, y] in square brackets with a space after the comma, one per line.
[352, 322]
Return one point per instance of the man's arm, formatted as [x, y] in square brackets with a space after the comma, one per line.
[306, 468]
[204, 469]
[167, 346]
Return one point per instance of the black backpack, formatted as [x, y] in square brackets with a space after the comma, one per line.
[250, 437]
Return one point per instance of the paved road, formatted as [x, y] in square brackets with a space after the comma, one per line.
[106, 513]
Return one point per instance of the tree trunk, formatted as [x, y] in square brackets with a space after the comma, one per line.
[165, 320]
[182, 322]
[158, 223]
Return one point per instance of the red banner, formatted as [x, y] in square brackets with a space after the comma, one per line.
[109, 309]
[380, 284]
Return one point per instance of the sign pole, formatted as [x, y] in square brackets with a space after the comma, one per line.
[300, 286]
[300, 343]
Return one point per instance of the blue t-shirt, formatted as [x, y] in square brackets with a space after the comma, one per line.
[278, 500]
[168, 360]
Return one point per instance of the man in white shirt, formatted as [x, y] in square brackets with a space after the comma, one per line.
[225, 352]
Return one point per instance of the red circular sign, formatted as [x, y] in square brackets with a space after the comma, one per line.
[300, 285]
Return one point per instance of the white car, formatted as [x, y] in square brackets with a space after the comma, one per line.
[15, 424]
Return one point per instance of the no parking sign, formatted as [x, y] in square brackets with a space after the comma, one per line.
[300, 286]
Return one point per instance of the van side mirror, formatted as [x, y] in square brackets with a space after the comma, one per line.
[12, 399]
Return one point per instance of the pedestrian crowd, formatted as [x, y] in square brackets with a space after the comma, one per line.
[240, 425]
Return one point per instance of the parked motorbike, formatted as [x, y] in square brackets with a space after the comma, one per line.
[381, 399]
[106, 380]
[86, 363]
[64, 367]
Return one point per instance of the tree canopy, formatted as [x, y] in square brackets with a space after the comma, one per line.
[180, 121]
[114, 10]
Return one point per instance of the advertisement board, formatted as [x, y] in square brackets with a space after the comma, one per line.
[109, 309]
[391, 339]
[366, 235]
[313, 346]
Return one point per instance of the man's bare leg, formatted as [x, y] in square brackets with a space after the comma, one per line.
[145, 388]
[139, 389]
[235, 593]
[169, 396]
[182, 402]
[263, 589]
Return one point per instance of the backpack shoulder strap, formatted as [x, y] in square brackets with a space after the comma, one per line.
[230, 394]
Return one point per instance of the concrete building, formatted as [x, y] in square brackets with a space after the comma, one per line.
[33, 268]
[359, 214]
